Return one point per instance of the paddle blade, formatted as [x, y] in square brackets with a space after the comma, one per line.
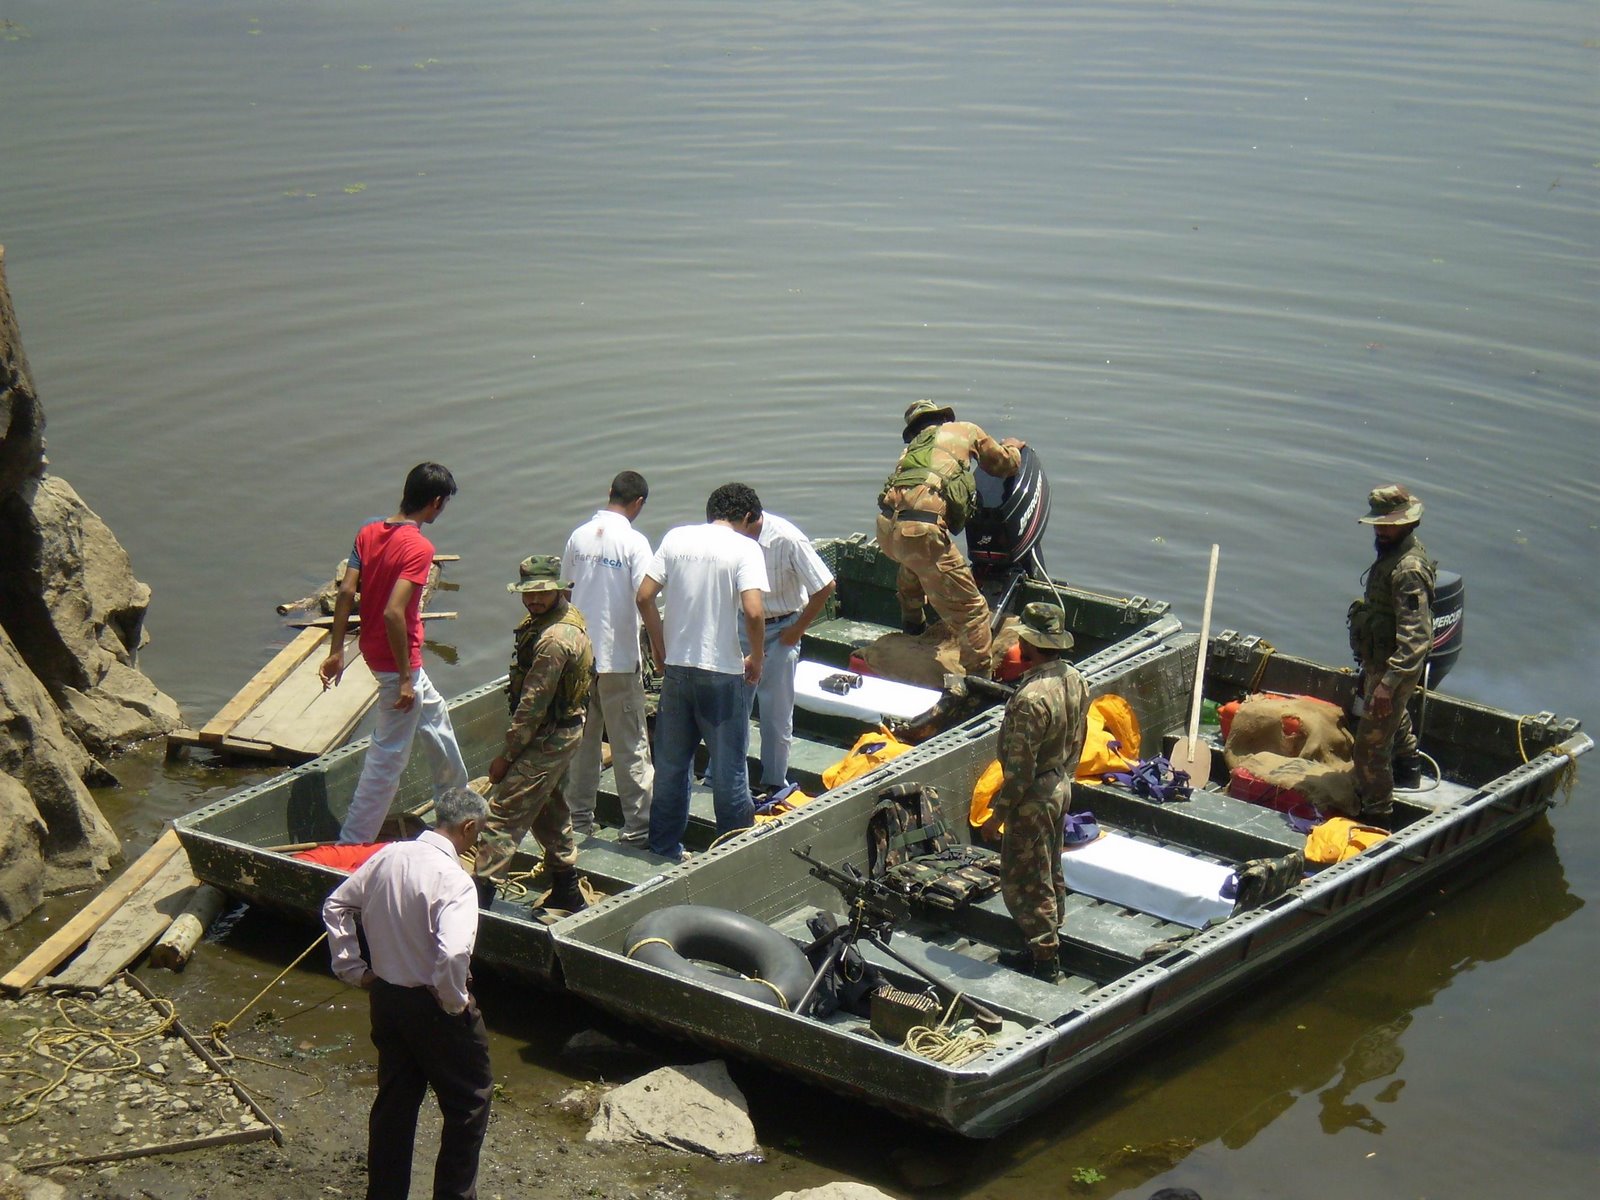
[1193, 756]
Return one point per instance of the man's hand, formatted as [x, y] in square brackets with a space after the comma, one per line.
[1382, 702]
[367, 977]
[332, 669]
[791, 636]
[752, 669]
[1017, 442]
[991, 828]
[408, 695]
[498, 768]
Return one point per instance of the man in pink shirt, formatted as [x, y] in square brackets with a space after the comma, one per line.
[389, 566]
[418, 908]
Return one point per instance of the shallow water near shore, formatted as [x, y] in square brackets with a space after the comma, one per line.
[1225, 266]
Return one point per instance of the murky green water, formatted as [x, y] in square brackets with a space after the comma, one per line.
[1225, 265]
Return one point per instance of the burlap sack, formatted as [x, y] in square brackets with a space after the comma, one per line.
[1291, 727]
[928, 657]
[1331, 787]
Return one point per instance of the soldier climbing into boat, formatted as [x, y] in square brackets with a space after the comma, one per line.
[1041, 739]
[548, 691]
[1391, 633]
[926, 501]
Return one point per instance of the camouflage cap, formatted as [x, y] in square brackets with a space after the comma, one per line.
[539, 573]
[1045, 626]
[918, 409]
[1391, 504]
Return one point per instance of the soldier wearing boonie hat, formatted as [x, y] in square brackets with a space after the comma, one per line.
[926, 499]
[552, 664]
[1041, 740]
[1391, 633]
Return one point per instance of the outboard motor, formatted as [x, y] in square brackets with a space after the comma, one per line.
[1004, 533]
[1449, 617]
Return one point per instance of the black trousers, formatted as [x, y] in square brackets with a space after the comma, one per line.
[419, 1045]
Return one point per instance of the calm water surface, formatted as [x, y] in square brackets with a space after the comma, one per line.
[1225, 265]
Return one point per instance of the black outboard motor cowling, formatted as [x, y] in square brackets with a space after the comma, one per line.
[1004, 533]
[1449, 621]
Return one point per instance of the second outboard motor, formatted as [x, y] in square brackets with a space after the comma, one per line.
[1449, 620]
[1004, 533]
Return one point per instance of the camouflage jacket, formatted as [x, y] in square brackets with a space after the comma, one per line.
[957, 444]
[1043, 730]
[1391, 626]
[552, 666]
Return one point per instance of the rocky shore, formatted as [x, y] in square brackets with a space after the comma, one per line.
[71, 626]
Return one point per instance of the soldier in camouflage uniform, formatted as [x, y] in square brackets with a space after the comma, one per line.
[926, 499]
[1391, 633]
[548, 691]
[1041, 739]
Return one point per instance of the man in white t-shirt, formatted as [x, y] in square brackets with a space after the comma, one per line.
[606, 559]
[798, 586]
[712, 577]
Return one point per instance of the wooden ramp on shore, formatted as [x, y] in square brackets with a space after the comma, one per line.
[284, 714]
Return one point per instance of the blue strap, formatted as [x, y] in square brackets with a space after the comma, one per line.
[1153, 779]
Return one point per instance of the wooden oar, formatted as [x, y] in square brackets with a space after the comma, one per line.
[1190, 753]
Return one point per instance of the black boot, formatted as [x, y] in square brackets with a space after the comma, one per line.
[1380, 818]
[1408, 772]
[913, 626]
[486, 891]
[565, 893]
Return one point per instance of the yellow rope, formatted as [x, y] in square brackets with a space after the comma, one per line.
[220, 1030]
[51, 1041]
[640, 945]
[1267, 651]
[950, 1045]
[783, 1001]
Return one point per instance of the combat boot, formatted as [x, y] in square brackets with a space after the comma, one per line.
[486, 888]
[565, 893]
[1047, 970]
[1378, 818]
[1408, 772]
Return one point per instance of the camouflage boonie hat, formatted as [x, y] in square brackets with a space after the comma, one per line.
[1391, 504]
[918, 409]
[1045, 626]
[540, 573]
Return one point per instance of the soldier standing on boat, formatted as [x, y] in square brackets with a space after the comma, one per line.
[926, 501]
[1041, 739]
[1391, 633]
[548, 690]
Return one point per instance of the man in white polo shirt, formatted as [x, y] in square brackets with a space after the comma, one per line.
[798, 587]
[712, 576]
[606, 558]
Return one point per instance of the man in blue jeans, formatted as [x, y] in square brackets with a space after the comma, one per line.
[711, 577]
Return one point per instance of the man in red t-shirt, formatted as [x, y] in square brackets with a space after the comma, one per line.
[389, 566]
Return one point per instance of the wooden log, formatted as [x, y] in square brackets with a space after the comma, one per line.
[93, 915]
[174, 948]
[355, 622]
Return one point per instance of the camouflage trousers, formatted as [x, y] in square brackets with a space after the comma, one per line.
[1379, 743]
[934, 571]
[1030, 864]
[531, 799]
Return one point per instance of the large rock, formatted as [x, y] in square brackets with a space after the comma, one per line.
[53, 836]
[71, 624]
[836, 1191]
[76, 613]
[696, 1108]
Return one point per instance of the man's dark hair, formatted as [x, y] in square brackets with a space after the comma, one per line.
[733, 502]
[629, 486]
[426, 483]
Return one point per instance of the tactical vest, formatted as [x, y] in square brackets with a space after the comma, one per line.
[916, 469]
[1371, 620]
[572, 693]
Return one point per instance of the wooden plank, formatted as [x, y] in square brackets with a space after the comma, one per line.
[355, 622]
[301, 719]
[93, 915]
[132, 929]
[265, 680]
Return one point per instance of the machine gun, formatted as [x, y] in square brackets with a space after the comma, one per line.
[875, 909]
